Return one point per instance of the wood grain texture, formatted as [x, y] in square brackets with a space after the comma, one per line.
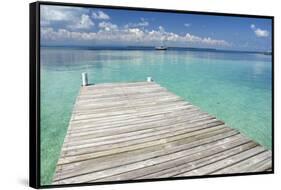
[140, 130]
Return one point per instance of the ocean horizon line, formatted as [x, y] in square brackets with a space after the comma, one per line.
[148, 48]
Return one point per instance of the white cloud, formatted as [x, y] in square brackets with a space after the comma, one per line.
[107, 26]
[112, 33]
[100, 15]
[187, 24]
[59, 13]
[67, 17]
[53, 14]
[161, 29]
[205, 40]
[142, 23]
[259, 32]
[84, 22]
[63, 34]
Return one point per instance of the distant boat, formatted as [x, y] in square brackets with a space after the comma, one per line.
[161, 48]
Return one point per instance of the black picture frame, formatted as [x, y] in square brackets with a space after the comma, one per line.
[34, 91]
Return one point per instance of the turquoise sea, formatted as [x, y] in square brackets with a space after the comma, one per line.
[235, 87]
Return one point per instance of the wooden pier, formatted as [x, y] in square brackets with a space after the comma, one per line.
[129, 131]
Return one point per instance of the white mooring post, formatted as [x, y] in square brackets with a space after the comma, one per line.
[84, 79]
[149, 79]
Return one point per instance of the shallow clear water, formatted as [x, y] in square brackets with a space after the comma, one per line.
[235, 87]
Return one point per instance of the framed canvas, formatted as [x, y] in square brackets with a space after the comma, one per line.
[122, 94]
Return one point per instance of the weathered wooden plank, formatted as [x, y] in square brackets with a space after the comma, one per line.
[107, 95]
[209, 169]
[100, 123]
[152, 94]
[169, 104]
[138, 115]
[120, 87]
[174, 161]
[181, 168]
[125, 106]
[120, 84]
[145, 141]
[133, 167]
[112, 93]
[265, 165]
[127, 132]
[159, 109]
[116, 150]
[138, 125]
[104, 121]
[171, 131]
[133, 114]
[127, 100]
[246, 165]
[106, 162]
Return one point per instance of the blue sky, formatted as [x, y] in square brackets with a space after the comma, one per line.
[62, 25]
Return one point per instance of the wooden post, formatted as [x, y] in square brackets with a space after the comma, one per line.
[149, 79]
[84, 79]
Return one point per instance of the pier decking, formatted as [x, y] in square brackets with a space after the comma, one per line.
[128, 131]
